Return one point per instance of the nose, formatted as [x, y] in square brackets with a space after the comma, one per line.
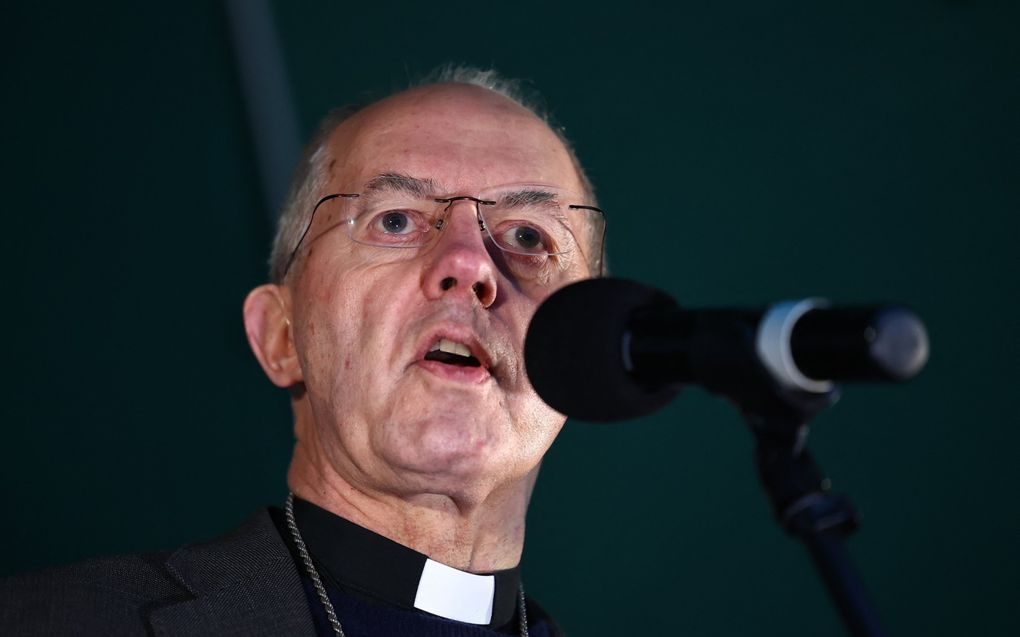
[459, 263]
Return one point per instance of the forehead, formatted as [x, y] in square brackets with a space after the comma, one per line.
[463, 137]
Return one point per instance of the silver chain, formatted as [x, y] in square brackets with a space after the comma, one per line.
[314, 574]
[321, 590]
[522, 610]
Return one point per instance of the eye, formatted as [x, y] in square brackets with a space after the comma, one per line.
[523, 238]
[396, 222]
[392, 226]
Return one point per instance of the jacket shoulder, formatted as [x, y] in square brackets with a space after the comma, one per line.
[243, 583]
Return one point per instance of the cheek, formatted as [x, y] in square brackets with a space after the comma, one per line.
[524, 311]
[353, 326]
[328, 336]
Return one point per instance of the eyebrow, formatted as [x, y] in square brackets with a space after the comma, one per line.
[531, 196]
[399, 182]
[527, 196]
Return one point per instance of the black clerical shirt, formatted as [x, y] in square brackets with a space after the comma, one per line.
[373, 581]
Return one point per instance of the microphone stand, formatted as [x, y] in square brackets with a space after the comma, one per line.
[806, 509]
[797, 489]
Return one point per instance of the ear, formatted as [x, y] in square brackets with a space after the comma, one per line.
[267, 321]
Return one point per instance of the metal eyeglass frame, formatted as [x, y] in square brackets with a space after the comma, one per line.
[439, 226]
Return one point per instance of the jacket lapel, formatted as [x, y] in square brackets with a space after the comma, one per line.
[244, 583]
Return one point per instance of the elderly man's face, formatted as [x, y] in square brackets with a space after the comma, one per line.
[385, 415]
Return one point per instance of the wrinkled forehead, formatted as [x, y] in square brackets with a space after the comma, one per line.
[463, 137]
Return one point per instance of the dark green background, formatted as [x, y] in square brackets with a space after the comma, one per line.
[746, 152]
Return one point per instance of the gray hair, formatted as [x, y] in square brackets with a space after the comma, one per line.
[312, 173]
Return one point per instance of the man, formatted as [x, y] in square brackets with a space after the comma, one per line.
[421, 234]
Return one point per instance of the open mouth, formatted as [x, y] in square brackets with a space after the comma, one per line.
[452, 353]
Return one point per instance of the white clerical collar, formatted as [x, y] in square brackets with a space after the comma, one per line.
[367, 564]
[454, 594]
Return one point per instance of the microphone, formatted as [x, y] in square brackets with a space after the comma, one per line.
[611, 349]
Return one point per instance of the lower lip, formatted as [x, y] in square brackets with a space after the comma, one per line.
[458, 373]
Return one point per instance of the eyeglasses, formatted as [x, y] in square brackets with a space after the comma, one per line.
[534, 226]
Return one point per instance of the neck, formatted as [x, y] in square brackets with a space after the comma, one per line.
[481, 531]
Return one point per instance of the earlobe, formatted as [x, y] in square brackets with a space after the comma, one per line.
[268, 325]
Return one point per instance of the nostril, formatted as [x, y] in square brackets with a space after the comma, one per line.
[448, 283]
[478, 289]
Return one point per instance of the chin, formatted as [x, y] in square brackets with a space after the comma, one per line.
[448, 448]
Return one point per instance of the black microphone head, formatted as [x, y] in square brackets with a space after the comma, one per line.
[574, 351]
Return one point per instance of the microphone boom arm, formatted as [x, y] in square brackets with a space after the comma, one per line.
[798, 491]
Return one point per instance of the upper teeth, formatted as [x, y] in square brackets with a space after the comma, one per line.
[450, 347]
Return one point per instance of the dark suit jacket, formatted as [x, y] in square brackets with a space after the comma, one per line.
[244, 583]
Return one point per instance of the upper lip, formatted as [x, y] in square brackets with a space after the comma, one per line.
[457, 333]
